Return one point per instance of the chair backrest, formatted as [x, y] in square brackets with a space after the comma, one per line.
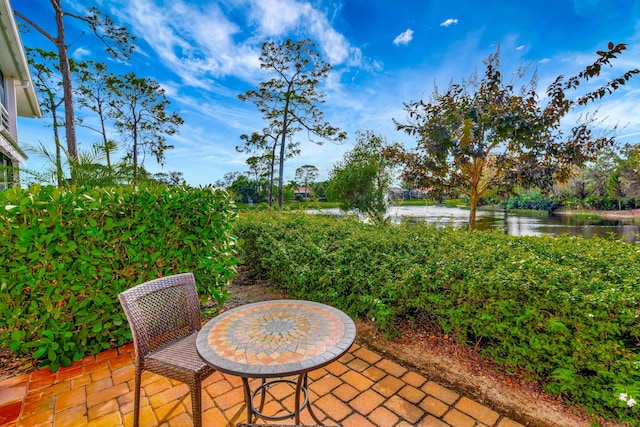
[161, 310]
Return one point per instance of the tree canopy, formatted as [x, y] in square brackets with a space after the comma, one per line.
[485, 134]
[306, 174]
[289, 101]
[140, 114]
[362, 179]
[117, 40]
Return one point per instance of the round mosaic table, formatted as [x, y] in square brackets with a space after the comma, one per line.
[275, 339]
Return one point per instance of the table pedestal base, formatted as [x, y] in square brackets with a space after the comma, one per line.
[301, 387]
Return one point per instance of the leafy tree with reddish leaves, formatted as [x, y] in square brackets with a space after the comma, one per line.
[484, 134]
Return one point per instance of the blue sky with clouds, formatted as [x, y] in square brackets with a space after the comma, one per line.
[205, 52]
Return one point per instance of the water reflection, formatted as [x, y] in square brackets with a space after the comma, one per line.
[515, 225]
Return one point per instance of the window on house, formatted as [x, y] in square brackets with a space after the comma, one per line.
[4, 115]
[6, 172]
[3, 91]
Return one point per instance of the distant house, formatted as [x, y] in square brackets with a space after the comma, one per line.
[302, 193]
[17, 96]
[397, 193]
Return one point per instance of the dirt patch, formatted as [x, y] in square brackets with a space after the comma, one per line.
[246, 289]
[459, 368]
[12, 365]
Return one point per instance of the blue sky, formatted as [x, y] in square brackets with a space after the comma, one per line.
[204, 53]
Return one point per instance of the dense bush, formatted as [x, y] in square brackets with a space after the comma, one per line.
[67, 254]
[533, 200]
[601, 203]
[563, 310]
[608, 203]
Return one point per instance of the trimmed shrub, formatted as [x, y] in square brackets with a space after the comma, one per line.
[565, 311]
[66, 255]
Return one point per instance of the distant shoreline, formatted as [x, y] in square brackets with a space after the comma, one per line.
[612, 215]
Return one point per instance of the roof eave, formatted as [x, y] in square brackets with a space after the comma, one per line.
[15, 64]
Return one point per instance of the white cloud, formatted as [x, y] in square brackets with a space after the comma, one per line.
[201, 42]
[196, 42]
[277, 17]
[80, 53]
[544, 61]
[404, 38]
[334, 44]
[521, 47]
[449, 22]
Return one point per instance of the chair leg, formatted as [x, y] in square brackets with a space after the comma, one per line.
[136, 402]
[196, 403]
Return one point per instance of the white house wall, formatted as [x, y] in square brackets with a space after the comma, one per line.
[20, 95]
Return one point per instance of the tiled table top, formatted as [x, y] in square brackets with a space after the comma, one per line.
[275, 338]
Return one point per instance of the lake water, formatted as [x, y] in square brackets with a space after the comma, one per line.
[515, 225]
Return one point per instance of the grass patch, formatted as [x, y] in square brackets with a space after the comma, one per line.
[415, 202]
[587, 216]
[286, 206]
[529, 212]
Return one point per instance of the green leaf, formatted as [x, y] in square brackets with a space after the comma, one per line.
[40, 352]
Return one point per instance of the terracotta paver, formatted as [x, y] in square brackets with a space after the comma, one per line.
[361, 389]
[383, 417]
[412, 394]
[414, 379]
[357, 380]
[334, 407]
[430, 421]
[434, 406]
[477, 411]
[71, 398]
[388, 386]
[367, 355]
[440, 392]
[366, 402]
[391, 367]
[345, 392]
[325, 385]
[506, 422]
[404, 409]
[76, 415]
[10, 412]
[374, 373]
[456, 418]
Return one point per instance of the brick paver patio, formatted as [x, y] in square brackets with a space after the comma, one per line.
[362, 389]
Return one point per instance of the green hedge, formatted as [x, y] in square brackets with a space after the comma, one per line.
[66, 255]
[562, 310]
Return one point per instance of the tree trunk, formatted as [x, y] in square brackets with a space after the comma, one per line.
[473, 204]
[283, 143]
[272, 172]
[69, 115]
[135, 148]
[56, 139]
[476, 174]
[105, 140]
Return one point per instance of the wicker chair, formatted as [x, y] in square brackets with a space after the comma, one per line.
[164, 316]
